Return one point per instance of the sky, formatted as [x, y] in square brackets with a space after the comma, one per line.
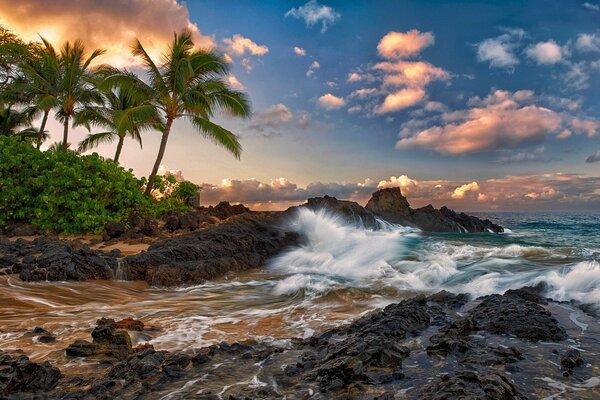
[478, 105]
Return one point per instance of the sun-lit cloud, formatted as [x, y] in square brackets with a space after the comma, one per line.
[501, 120]
[363, 93]
[400, 99]
[588, 43]
[314, 66]
[233, 81]
[314, 13]
[271, 118]
[545, 53]
[354, 77]
[411, 73]
[524, 192]
[396, 45]
[241, 46]
[112, 26]
[299, 51]
[331, 102]
[499, 51]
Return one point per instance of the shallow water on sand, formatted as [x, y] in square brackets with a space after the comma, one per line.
[339, 273]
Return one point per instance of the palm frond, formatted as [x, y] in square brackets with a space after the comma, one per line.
[218, 135]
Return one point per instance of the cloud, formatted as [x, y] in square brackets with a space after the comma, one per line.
[233, 81]
[499, 51]
[577, 76]
[313, 13]
[109, 25]
[299, 51]
[588, 43]
[411, 73]
[396, 45]
[545, 53]
[164, 170]
[400, 99]
[331, 102]
[593, 158]
[241, 46]
[501, 120]
[272, 117]
[312, 68]
[548, 191]
[303, 120]
[590, 6]
[459, 192]
[354, 77]
[363, 93]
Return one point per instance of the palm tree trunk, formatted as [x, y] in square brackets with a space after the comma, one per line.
[119, 147]
[65, 134]
[159, 157]
[42, 127]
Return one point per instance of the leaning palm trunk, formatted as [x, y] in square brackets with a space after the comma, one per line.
[159, 157]
[119, 148]
[65, 144]
[42, 128]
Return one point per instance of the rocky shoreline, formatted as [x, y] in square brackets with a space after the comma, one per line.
[442, 346]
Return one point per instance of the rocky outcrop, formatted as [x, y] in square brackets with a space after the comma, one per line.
[349, 211]
[107, 341]
[245, 241]
[393, 207]
[18, 374]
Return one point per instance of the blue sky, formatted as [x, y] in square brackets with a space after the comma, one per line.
[445, 94]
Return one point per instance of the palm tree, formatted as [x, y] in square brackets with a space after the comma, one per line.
[74, 85]
[124, 112]
[39, 83]
[190, 84]
[11, 121]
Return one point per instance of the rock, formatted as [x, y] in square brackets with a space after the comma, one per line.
[110, 340]
[349, 211]
[466, 384]
[21, 229]
[114, 229]
[19, 374]
[130, 324]
[392, 206]
[43, 336]
[242, 242]
[224, 210]
[81, 348]
[571, 359]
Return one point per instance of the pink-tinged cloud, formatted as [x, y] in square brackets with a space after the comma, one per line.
[105, 24]
[400, 99]
[331, 102]
[501, 120]
[396, 45]
[545, 53]
[552, 191]
[411, 73]
[241, 46]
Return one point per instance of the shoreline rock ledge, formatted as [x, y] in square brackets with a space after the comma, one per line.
[390, 205]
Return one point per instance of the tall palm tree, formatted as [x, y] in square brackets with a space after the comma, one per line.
[15, 123]
[126, 112]
[75, 88]
[190, 84]
[39, 83]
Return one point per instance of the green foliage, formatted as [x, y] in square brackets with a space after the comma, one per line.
[63, 191]
[185, 190]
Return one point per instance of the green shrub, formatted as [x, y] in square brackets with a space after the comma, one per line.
[63, 191]
[185, 190]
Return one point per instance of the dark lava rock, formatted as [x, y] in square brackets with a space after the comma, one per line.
[471, 385]
[392, 206]
[81, 348]
[224, 210]
[513, 315]
[130, 324]
[19, 374]
[349, 211]
[43, 335]
[242, 242]
[571, 359]
[114, 229]
[107, 341]
[21, 229]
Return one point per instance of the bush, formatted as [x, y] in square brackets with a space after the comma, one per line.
[63, 191]
[185, 191]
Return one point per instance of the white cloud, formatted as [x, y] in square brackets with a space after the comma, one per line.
[363, 93]
[164, 170]
[299, 51]
[233, 81]
[588, 43]
[590, 6]
[400, 99]
[499, 51]
[411, 73]
[313, 68]
[331, 102]
[354, 109]
[396, 45]
[545, 53]
[241, 46]
[271, 117]
[313, 13]
[459, 192]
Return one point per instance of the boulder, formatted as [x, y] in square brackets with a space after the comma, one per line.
[349, 211]
[114, 229]
[19, 374]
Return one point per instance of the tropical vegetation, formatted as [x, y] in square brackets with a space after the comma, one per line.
[60, 188]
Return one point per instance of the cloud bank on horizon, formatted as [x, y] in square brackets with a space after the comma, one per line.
[501, 111]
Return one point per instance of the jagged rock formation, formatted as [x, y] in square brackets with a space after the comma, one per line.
[392, 206]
